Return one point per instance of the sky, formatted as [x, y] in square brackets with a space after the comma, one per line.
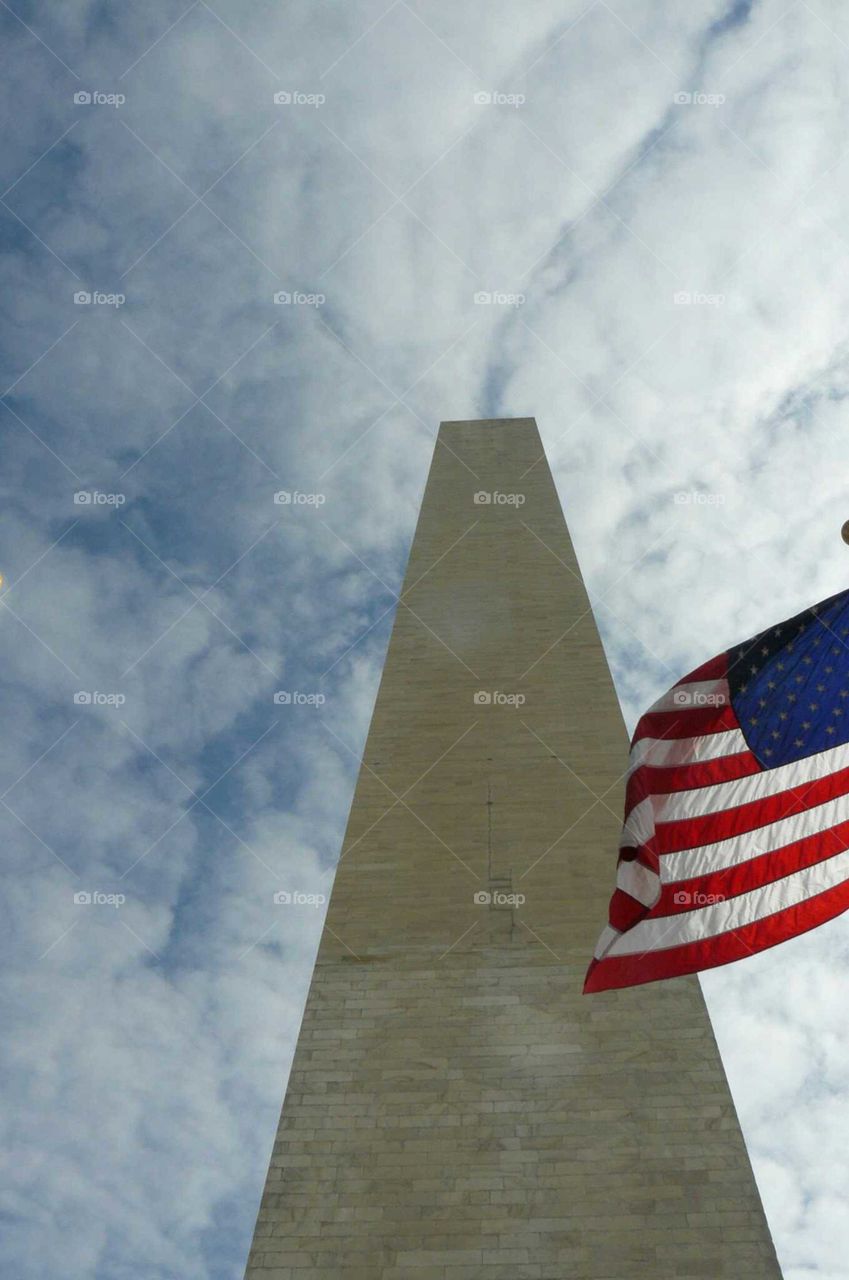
[253, 254]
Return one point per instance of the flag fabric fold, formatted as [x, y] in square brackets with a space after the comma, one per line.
[736, 830]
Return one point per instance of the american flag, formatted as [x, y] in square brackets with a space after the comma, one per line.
[736, 833]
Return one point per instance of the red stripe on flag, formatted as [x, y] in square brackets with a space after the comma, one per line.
[685, 722]
[689, 833]
[760, 935]
[763, 869]
[643, 854]
[625, 911]
[664, 779]
[713, 669]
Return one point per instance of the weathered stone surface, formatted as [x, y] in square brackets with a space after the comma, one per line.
[457, 1109]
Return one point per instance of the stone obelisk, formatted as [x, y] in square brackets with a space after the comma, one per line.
[457, 1109]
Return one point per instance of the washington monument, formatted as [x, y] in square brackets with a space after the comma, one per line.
[457, 1108]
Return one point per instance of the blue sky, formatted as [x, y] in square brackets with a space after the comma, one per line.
[654, 197]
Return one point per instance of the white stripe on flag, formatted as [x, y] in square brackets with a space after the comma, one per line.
[639, 824]
[694, 695]
[608, 936]
[688, 863]
[671, 751]
[755, 786]
[734, 913]
[638, 881]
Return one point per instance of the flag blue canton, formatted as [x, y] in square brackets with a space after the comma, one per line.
[790, 684]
